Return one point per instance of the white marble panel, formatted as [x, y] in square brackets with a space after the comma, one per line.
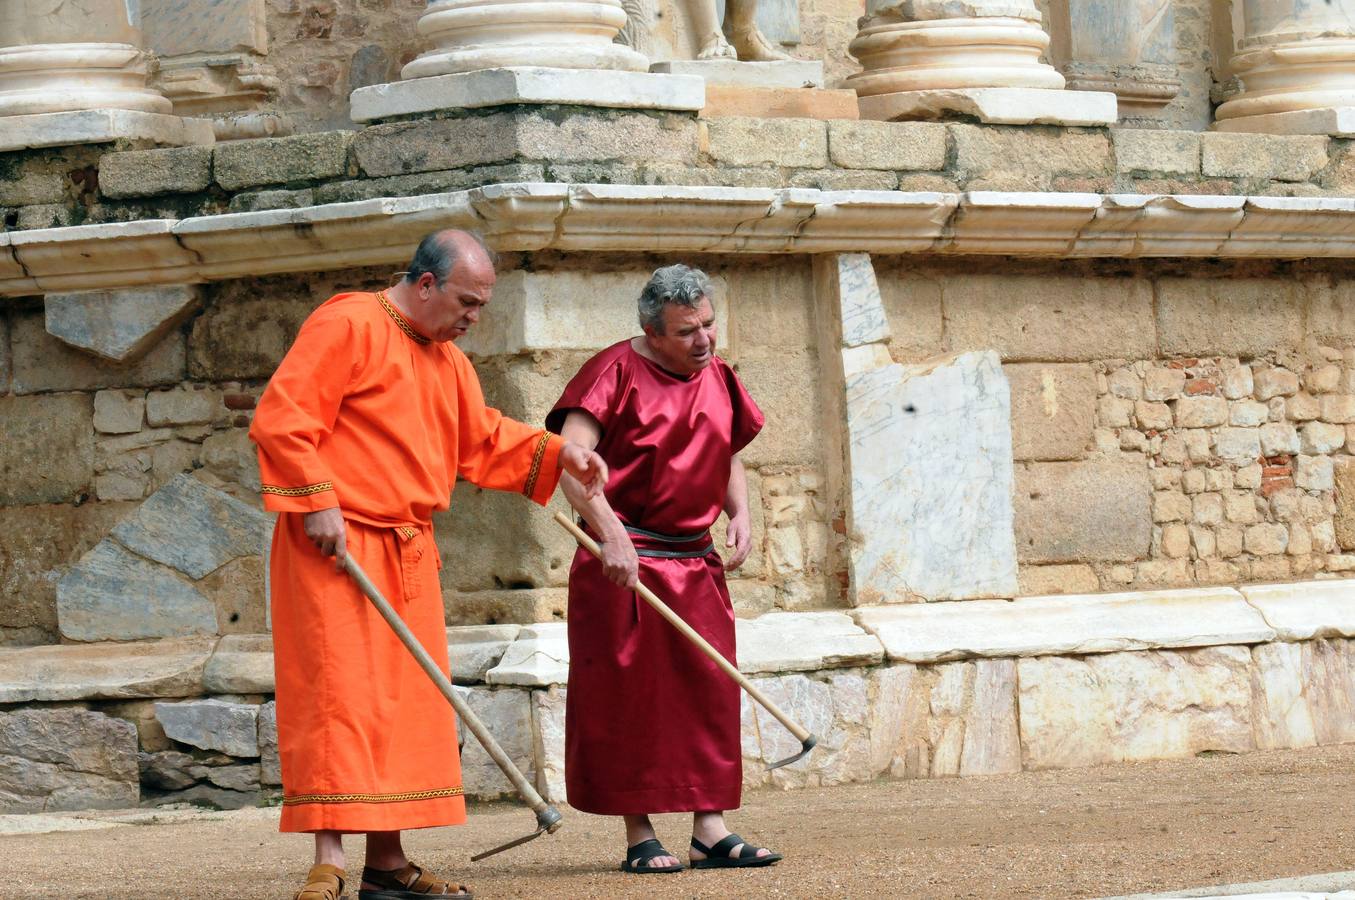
[790, 642]
[1306, 610]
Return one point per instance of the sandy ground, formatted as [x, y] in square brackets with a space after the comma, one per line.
[1076, 833]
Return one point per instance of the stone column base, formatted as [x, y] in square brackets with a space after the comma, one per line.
[101, 126]
[1337, 121]
[995, 106]
[530, 85]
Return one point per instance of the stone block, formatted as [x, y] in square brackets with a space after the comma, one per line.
[47, 455]
[538, 657]
[1050, 318]
[1314, 473]
[524, 607]
[931, 488]
[1278, 157]
[66, 759]
[524, 548]
[1328, 678]
[270, 766]
[1279, 438]
[1128, 706]
[38, 544]
[1319, 437]
[1307, 610]
[1139, 150]
[1238, 444]
[119, 412]
[570, 310]
[1281, 715]
[1065, 625]
[1339, 408]
[1248, 413]
[907, 146]
[912, 305]
[104, 671]
[785, 386]
[1053, 407]
[1066, 579]
[995, 105]
[151, 173]
[767, 142]
[230, 728]
[1228, 317]
[241, 664]
[118, 325]
[548, 717]
[246, 328]
[102, 126]
[1029, 157]
[1344, 480]
[789, 642]
[178, 28]
[527, 85]
[194, 529]
[281, 160]
[1080, 511]
[403, 147]
[507, 714]
[45, 363]
[231, 455]
[183, 406]
[475, 649]
[112, 594]
[779, 103]
[1275, 382]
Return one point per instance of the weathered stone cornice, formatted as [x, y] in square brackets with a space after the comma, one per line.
[587, 217]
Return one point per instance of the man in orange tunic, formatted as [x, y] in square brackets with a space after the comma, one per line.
[362, 433]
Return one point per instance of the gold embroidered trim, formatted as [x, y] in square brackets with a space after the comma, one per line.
[297, 491]
[400, 320]
[407, 533]
[535, 471]
[373, 798]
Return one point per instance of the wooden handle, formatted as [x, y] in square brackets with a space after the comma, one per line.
[801, 734]
[472, 721]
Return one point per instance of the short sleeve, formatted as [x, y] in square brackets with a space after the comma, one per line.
[596, 389]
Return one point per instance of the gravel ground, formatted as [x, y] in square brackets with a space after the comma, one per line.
[1075, 833]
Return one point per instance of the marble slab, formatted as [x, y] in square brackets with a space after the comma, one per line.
[102, 126]
[791, 642]
[525, 85]
[1337, 121]
[996, 106]
[1066, 624]
[1307, 610]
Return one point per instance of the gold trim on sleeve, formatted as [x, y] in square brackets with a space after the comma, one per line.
[306, 491]
[406, 797]
[535, 472]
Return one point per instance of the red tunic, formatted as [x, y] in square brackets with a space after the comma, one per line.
[651, 725]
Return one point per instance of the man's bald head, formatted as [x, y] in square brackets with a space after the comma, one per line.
[439, 252]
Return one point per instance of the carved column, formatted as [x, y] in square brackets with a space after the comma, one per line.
[488, 34]
[927, 59]
[61, 59]
[213, 64]
[1295, 65]
[1127, 47]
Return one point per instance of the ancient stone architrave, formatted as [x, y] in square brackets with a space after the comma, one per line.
[927, 475]
[1292, 65]
[930, 59]
[213, 64]
[119, 325]
[1127, 47]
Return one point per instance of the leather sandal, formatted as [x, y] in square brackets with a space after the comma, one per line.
[408, 883]
[719, 855]
[639, 856]
[323, 882]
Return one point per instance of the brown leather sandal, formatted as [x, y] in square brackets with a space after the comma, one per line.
[409, 883]
[323, 882]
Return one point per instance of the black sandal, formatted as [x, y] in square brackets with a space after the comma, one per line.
[638, 857]
[718, 856]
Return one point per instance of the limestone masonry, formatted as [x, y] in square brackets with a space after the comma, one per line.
[1050, 305]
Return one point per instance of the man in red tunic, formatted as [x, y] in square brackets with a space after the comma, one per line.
[362, 433]
[651, 724]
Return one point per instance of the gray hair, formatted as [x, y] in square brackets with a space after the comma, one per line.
[437, 254]
[677, 284]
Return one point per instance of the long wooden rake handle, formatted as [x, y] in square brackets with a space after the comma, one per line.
[548, 818]
[802, 734]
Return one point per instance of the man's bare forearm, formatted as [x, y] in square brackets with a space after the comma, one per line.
[736, 493]
[596, 511]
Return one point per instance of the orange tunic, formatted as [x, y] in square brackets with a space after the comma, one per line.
[367, 415]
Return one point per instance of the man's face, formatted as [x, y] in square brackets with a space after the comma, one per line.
[449, 312]
[687, 344]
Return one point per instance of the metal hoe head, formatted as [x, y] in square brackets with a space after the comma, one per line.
[547, 822]
[805, 746]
